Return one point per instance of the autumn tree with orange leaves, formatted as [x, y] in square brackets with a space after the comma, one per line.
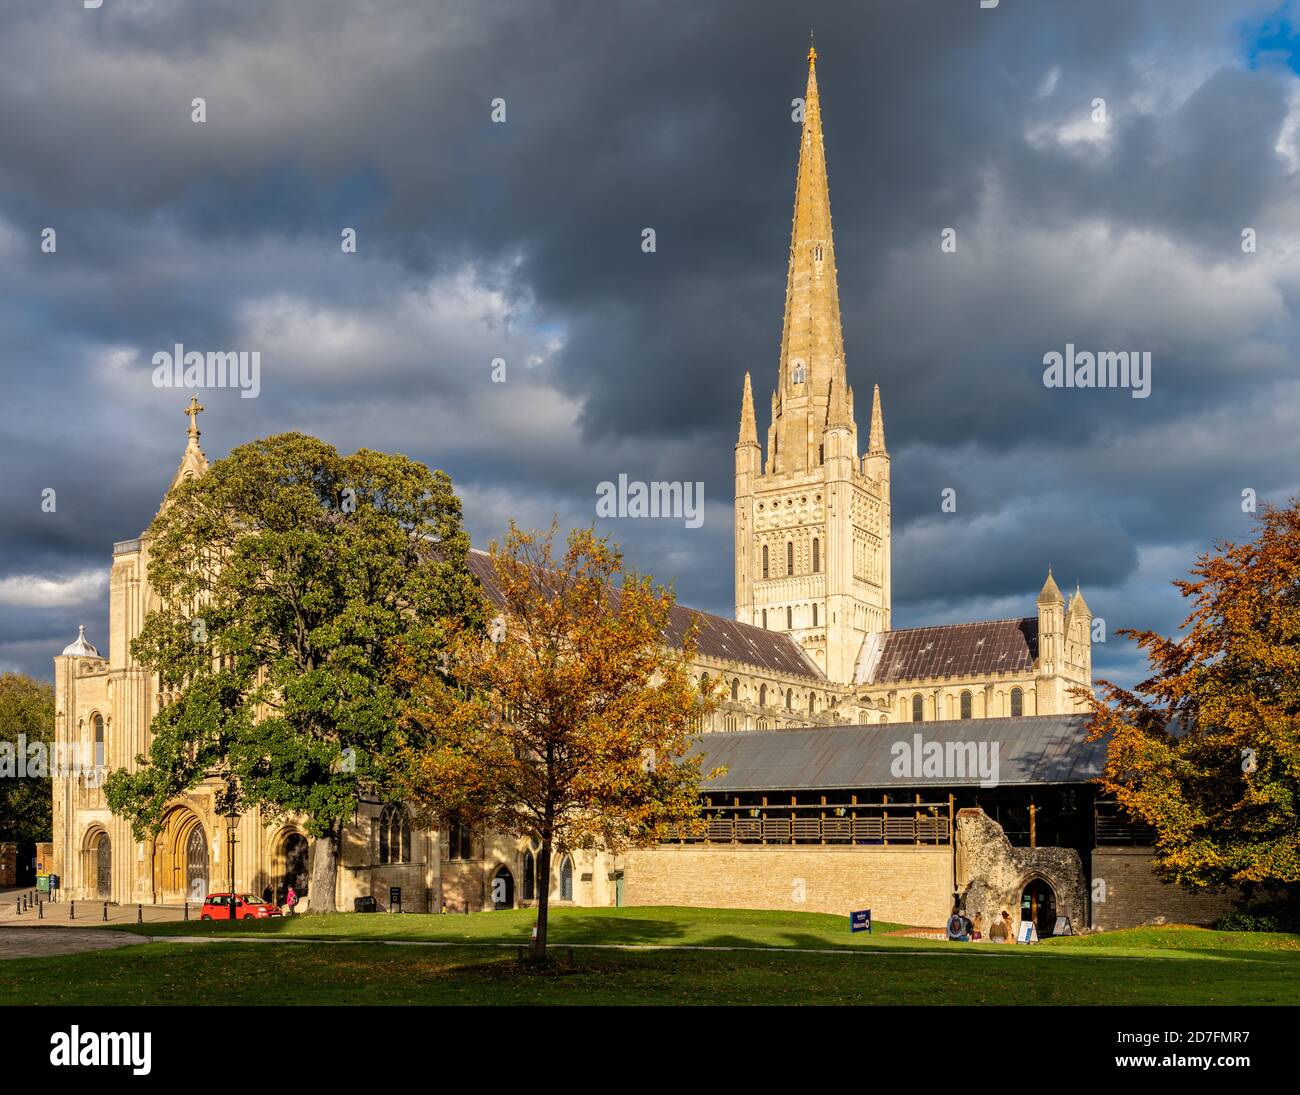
[571, 721]
[1223, 790]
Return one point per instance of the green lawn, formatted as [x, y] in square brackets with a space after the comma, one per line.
[1145, 966]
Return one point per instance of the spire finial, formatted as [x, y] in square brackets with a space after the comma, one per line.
[192, 411]
[812, 48]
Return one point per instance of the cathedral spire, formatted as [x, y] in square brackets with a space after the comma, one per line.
[748, 423]
[811, 376]
[877, 440]
[812, 334]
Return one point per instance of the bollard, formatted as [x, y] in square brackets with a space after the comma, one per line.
[139, 914]
[72, 910]
[187, 911]
[40, 910]
[105, 912]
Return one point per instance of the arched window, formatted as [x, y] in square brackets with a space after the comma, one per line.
[1017, 703]
[817, 555]
[789, 618]
[762, 695]
[965, 705]
[459, 840]
[789, 556]
[99, 741]
[735, 688]
[764, 619]
[814, 615]
[918, 707]
[566, 879]
[789, 699]
[764, 560]
[821, 454]
[797, 374]
[530, 875]
[812, 703]
[394, 834]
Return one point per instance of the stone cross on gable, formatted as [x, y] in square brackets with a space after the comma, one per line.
[192, 411]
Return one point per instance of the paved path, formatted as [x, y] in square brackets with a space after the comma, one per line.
[41, 943]
[70, 913]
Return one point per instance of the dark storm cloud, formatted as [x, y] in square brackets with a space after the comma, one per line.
[522, 241]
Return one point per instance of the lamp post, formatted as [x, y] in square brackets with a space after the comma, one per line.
[232, 817]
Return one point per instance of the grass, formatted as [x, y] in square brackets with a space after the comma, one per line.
[1144, 966]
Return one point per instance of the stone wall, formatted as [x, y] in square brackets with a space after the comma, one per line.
[1135, 896]
[904, 884]
[992, 874]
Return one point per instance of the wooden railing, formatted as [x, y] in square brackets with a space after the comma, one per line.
[897, 823]
[1113, 826]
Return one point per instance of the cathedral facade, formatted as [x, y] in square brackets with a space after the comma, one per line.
[811, 645]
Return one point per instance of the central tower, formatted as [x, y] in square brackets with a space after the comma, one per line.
[812, 520]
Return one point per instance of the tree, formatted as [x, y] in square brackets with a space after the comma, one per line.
[26, 719]
[573, 722]
[286, 576]
[1207, 750]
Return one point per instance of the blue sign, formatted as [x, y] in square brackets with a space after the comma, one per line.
[860, 921]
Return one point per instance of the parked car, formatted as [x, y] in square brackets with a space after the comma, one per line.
[216, 906]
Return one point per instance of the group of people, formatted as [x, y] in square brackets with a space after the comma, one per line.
[290, 898]
[962, 929]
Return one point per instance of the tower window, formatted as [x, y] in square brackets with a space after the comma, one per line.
[1017, 703]
[789, 618]
[764, 560]
[817, 252]
[789, 557]
[821, 454]
[817, 555]
[814, 615]
[918, 706]
[735, 689]
[796, 374]
[965, 705]
[762, 695]
[764, 619]
[99, 741]
[789, 699]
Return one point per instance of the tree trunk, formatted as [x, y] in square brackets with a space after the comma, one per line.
[543, 897]
[324, 871]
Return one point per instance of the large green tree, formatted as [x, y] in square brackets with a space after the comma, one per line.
[287, 574]
[26, 718]
[1207, 749]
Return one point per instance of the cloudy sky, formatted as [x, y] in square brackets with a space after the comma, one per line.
[521, 240]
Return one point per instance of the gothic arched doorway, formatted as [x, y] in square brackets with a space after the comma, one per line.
[196, 864]
[503, 889]
[181, 862]
[1038, 903]
[103, 867]
[292, 866]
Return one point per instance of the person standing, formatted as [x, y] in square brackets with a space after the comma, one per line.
[291, 899]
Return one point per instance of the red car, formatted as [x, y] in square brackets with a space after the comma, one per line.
[216, 906]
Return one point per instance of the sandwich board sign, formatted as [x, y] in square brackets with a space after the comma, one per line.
[860, 921]
[1063, 926]
[1026, 932]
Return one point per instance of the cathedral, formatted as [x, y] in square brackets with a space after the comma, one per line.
[811, 650]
